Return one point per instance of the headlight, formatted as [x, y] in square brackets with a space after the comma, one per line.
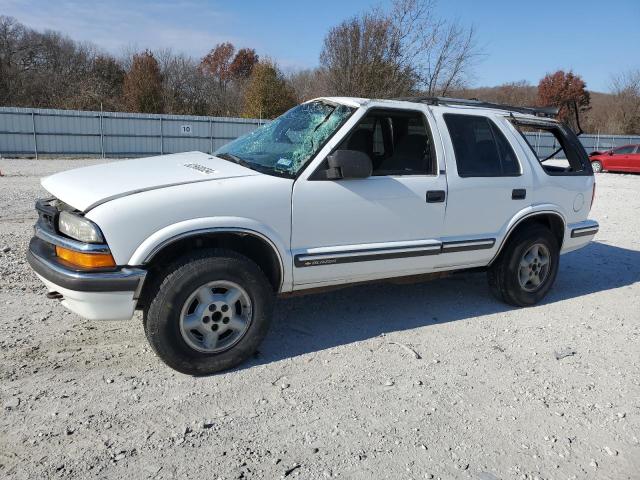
[79, 228]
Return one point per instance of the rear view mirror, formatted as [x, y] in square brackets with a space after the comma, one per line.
[349, 164]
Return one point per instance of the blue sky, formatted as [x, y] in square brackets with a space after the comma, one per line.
[523, 40]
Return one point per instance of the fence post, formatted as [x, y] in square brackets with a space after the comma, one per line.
[101, 133]
[35, 139]
[211, 136]
[161, 139]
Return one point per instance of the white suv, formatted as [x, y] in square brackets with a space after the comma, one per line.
[335, 191]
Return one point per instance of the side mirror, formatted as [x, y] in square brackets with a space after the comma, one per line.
[349, 164]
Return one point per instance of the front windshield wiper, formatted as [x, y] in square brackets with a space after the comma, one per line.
[253, 166]
[235, 159]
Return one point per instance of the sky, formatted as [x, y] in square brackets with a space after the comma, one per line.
[521, 40]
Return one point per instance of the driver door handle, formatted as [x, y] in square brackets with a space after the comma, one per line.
[435, 196]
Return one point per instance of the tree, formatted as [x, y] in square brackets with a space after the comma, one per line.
[400, 52]
[441, 53]
[268, 94]
[142, 89]
[625, 111]
[217, 63]
[243, 63]
[362, 58]
[565, 90]
[309, 83]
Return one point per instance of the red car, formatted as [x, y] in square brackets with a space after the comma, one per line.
[620, 159]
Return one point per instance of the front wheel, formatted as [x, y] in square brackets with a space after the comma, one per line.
[525, 270]
[596, 165]
[210, 313]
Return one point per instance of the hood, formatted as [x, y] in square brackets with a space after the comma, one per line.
[85, 188]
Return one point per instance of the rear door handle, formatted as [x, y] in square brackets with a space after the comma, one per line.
[518, 194]
[435, 196]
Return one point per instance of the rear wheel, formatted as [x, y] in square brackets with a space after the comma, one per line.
[597, 166]
[527, 267]
[210, 313]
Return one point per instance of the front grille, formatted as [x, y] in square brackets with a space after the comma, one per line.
[47, 214]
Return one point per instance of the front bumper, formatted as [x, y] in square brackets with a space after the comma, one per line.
[96, 295]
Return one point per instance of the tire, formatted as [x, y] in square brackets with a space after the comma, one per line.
[596, 165]
[190, 303]
[515, 277]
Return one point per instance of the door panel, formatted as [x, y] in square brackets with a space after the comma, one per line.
[479, 207]
[386, 220]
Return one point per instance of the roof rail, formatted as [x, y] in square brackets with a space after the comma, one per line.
[474, 102]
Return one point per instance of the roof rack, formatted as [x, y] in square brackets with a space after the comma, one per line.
[474, 102]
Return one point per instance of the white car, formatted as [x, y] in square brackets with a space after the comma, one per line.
[335, 191]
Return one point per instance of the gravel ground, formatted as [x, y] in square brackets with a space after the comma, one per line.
[335, 390]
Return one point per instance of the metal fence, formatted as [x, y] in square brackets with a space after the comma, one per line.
[545, 143]
[31, 132]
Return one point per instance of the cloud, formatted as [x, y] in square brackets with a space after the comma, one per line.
[190, 26]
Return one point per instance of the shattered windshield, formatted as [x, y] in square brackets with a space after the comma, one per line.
[286, 144]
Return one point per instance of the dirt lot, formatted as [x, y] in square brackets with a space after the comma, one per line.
[333, 391]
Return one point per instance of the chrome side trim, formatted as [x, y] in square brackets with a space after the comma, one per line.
[70, 243]
[583, 229]
[467, 245]
[337, 255]
[366, 254]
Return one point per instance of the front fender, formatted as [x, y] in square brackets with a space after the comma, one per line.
[166, 235]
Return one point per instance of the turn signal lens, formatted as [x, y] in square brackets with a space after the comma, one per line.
[85, 260]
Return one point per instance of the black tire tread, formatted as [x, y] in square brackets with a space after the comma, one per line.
[193, 264]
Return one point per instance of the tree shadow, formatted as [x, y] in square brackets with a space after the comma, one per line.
[316, 322]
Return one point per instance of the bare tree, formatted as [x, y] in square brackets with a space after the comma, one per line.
[441, 53]
[399, 52]
[362, 57]
[625, 113]
[309, 83]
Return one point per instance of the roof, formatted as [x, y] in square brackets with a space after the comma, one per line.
[448, 104]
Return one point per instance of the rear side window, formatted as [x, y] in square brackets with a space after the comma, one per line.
[480, 147]
[624, 150]
[557, 148]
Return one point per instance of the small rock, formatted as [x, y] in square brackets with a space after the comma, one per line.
[284, 386]
[6, 249]
[315, 450]
[419, 382]
[593, 463]
[12, 403]
[611, 451]
[389, 383]
[567, 352]
[119, 456]
[621, 414]
[109, 380]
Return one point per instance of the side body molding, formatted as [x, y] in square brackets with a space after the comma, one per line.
[172, 233]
